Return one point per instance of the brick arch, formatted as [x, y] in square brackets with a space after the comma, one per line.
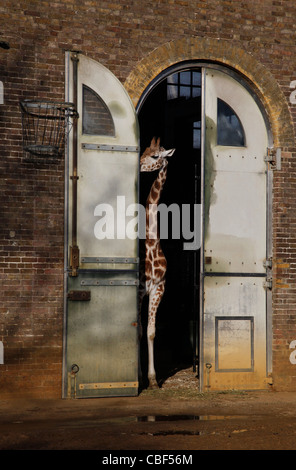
[223, 52]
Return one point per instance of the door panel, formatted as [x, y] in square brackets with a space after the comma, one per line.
[233, 271]
[234, 332]
[102, 335]
[101, 343]
[107, 186]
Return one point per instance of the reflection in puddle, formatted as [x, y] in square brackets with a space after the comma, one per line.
[185, 418]
[163, 418]
[158, 418]
[176, 433]
[152, 430]
[166, 418]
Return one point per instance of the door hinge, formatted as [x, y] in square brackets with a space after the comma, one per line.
[267, 263]
[74, 260]
[268, 380]
[273, 156]
[268, 283]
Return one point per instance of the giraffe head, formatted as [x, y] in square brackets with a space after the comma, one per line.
[154, 156]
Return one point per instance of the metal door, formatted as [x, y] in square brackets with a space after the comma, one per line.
[101, 350]
[235, 246]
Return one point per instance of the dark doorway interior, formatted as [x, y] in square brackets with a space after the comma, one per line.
[172, 111]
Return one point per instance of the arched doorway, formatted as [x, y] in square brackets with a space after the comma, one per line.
[172, 111]
[214, 313]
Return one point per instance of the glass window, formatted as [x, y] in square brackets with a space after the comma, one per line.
[196, 91]
[185, 78]
[96, 117]
[196, 135]
[196, 78]
[172, 92]
[185, 91]
[229, 128]
[173, 78]
[185, 84]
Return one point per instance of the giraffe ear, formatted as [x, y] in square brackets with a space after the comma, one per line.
[170, 152]
[167, 153]
[154, 143]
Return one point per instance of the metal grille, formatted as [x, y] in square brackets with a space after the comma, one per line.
[45, 126]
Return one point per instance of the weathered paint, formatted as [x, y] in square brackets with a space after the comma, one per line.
[102, 335]
[209, 170]
[101, 338]
[234, 298]
[237, 361]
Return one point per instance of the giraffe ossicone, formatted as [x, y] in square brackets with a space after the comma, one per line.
[154, 264]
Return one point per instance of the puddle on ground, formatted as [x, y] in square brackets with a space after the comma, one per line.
[147, 419]
[152, 419]
[170, 418]
[174, 433]
[186, 418]
[174, 418]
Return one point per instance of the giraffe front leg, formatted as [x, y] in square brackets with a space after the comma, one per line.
[140, 332]
[154, 301]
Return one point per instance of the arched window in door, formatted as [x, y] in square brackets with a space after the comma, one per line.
[230, 131]
[96, 117]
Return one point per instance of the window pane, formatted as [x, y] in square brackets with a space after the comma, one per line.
[196, 92]
[196, 78]
[96, 117]
[196, 138]
[230, 130]
[172, 92]
[185, 91]
[185, 78]
[173, 78]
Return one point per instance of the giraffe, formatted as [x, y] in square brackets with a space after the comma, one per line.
[154, 265]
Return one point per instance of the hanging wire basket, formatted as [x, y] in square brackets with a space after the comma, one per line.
[46, 126]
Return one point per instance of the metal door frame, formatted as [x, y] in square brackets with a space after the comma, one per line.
[66, 224]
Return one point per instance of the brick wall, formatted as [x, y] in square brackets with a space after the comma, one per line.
[120, 35]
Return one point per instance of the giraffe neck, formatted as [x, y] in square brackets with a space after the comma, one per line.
[157, 186]
[152, 232]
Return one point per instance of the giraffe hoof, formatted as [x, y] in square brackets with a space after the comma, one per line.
[153, 385]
